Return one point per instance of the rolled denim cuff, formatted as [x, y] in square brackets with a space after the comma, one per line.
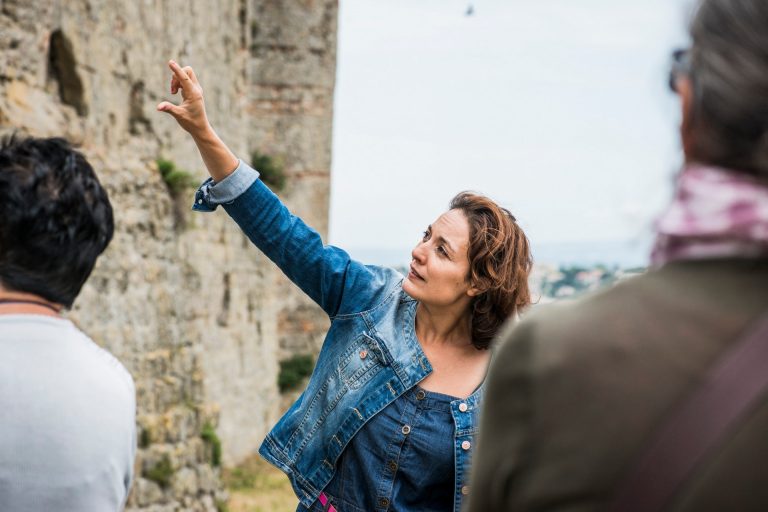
[211, 194]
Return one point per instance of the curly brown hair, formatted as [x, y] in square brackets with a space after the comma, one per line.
[499, 264]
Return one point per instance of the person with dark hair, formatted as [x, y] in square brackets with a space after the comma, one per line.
[388, 417]
[67, 437]
[653, 395]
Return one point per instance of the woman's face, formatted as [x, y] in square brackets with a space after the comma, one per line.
[440, 266]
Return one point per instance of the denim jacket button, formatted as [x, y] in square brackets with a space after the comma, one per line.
[463, 407]
[420, 395]
[466, 445]
[406, 429]
[465, 490]
[392, 466]
[383, 502]
[363, 354]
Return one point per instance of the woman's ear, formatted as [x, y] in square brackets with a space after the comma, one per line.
[684, 88]
[474, 291]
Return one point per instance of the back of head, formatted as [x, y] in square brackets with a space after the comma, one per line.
[55, 218]
[729, 74]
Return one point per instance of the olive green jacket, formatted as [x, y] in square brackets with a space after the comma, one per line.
[577, 389]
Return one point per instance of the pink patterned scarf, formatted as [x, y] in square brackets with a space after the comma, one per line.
[715, 213]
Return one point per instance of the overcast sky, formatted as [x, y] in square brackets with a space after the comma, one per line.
[556, 109]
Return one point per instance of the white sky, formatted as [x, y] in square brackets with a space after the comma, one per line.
[557, 109]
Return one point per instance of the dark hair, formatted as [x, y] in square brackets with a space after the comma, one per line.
[499, 264]
[729, 71]
[55, 218]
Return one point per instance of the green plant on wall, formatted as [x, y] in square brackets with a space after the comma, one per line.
[270, 169]
[293, 371]
[161, 473]
[177, 180]
[212, 439]
[145, 438]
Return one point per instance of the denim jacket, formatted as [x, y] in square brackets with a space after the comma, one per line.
[370, 355]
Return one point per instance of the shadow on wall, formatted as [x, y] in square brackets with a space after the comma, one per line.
[62, 68]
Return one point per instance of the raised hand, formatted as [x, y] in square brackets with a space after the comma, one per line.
[190, 114]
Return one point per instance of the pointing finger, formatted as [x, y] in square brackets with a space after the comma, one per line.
[179, 73]
[191, 73]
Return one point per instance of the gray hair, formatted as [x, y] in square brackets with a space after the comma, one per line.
[729, 71]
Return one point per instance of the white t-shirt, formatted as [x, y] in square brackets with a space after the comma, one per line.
[67, 419]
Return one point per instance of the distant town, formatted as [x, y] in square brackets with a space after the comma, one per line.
[561, 271]
[558, 282]
[550, 283]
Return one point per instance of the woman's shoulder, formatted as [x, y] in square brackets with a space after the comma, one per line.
[371, 286]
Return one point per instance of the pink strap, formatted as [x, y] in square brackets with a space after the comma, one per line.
[324, 502]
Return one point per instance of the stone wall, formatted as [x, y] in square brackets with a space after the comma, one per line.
[196, 314]
[292, 63]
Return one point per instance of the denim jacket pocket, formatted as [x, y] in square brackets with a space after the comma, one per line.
[363, 359]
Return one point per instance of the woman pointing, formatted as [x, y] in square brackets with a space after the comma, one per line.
[388, 419]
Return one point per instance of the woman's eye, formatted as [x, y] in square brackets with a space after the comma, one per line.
[425, 235]
[442, 250]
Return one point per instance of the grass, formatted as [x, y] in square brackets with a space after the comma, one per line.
[270, 169]
[145, 438]
[256, 486]
[293, 371]
[212, 439]
[177, 180]
[161, 473]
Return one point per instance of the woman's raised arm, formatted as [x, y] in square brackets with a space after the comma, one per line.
[327, 274]
[190, 115]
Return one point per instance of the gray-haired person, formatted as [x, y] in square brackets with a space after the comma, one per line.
[619, 401]
[67, 433]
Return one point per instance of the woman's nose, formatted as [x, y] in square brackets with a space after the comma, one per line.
[418, 252]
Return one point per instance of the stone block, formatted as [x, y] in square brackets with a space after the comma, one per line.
[145, 492]
[184, 483]
[207, 478]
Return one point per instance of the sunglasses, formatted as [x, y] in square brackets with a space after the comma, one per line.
[681, 66]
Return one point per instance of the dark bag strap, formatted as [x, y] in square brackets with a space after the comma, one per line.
[729, 390]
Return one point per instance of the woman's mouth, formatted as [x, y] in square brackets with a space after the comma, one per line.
[414, 275]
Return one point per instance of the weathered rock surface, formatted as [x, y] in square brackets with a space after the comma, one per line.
[197, 315]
